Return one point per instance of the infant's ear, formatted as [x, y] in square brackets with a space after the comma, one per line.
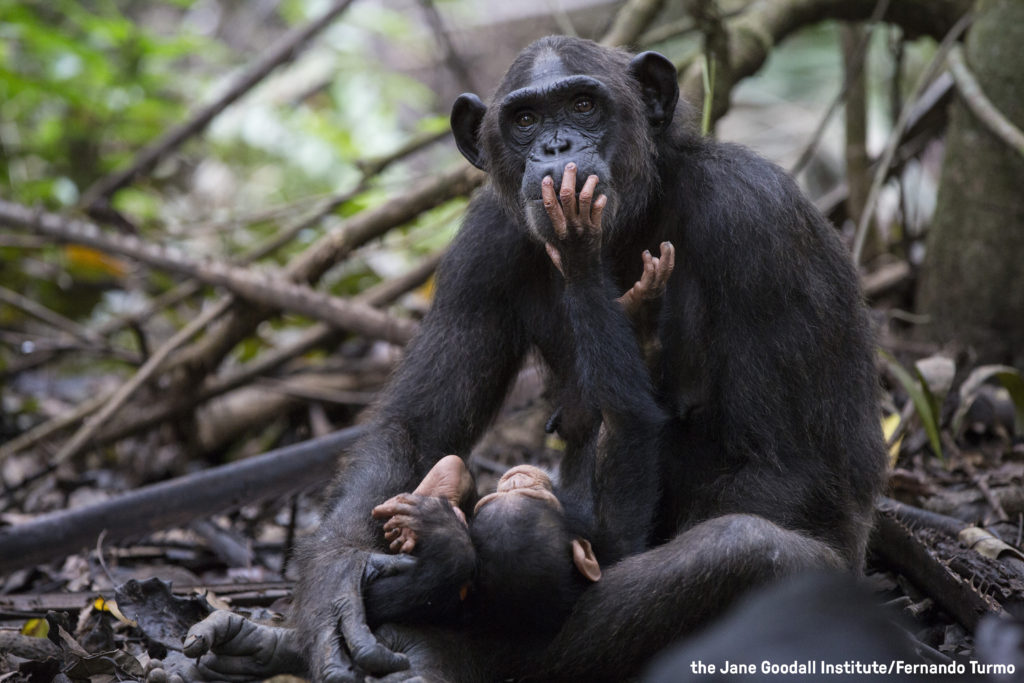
[584, 559]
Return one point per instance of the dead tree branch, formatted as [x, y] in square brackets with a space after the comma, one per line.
[262, 288]
[319, 335]
[980, 105]
[330, 249]
[284, 50]
[634, 17]
[175, 502]
[85, 433]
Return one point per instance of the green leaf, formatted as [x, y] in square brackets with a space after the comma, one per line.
[924, 402]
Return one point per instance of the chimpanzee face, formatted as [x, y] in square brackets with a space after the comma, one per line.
[523, 480]
[571, 101]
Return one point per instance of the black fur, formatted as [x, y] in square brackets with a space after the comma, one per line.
[434, 590]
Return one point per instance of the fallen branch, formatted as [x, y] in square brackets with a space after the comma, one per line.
[262, 288]
[316, 336]
[903, 551]
[82, 437]
[175, 502]
[285, 49]
[981, 105]
[330, 249]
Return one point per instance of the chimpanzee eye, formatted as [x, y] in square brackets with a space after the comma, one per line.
[525, 119]
[582, 105]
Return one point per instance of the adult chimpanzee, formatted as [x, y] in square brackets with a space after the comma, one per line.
[770, 453]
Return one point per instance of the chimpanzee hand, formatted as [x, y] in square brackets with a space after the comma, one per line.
[229, 647]
[651, 284]
[330, 616]
[405, 515]
[576, 251]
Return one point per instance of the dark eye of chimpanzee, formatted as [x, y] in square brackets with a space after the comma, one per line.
[583, 105]
[525, 119]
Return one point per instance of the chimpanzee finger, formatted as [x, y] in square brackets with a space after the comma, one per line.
[331, 663]
[586, 199]
[598, 210]
[553, 208]
[556, 258]
[367, 653]
[567, 195]
[402, 522]
[219, 627]
[668, 261]
[391, 509]
[647, 278]
[381, 564]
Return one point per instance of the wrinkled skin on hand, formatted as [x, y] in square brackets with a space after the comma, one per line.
[448, 479]
[652, 282]
[228, 647]
[576, 251]
[339, 659]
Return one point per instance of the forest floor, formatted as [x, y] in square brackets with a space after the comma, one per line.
[98, 615]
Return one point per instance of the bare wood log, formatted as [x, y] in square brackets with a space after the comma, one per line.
[284, 50]
[174, 502]
[902, 550]
[223, 543]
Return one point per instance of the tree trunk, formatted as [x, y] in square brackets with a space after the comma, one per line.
[972, 280]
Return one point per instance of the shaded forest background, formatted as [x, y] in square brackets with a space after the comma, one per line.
[219, 221]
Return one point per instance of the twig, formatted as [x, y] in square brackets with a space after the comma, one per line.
[264, 288]
[310, 265]
[86, 431]
[630, 22]
[316, 336]
[49, 317]
[285, 49]
[980, 104]
[175, 502]
[33, 436]
[451, 55]
[753, 33]
[851, 76]
[882, 170]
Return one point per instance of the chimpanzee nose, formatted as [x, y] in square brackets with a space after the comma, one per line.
[556, 146]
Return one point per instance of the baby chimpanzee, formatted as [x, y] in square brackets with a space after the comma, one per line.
[519, 564]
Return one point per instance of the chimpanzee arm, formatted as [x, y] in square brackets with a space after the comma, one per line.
[612, 374]
[433, 591]
[448, 388]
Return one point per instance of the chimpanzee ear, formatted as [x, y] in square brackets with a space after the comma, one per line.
[583, 557]
[467, 115]
[659, 85]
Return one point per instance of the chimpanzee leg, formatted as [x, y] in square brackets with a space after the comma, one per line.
[645, 602]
